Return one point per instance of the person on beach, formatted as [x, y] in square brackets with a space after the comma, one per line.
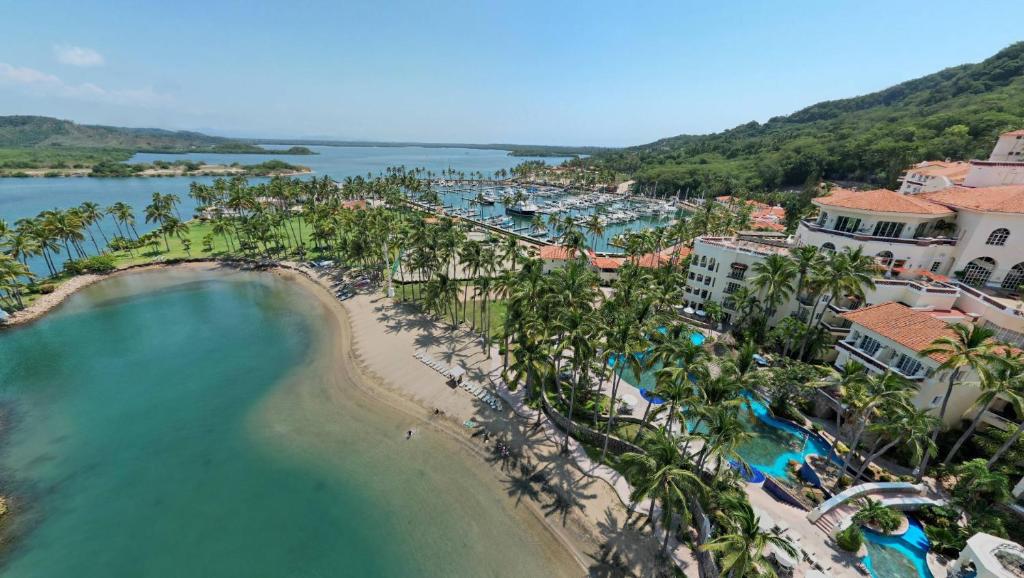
[408, 434]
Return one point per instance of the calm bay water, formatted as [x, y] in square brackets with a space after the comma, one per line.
[186, 423]
[26, 197]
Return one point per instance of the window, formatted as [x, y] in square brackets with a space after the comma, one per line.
[822, 219]
[936, 400]
[869, 345]
[692, 275]
[977, 272]
[704, 294]
[703, 261]
[935, 266]
[732, 288]
[998, 237]
[847, 224]
[908, 366]
[1014, 278]
[888, 229]
[828, 247]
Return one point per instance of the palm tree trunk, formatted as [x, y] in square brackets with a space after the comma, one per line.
[935, 432]
[1007, 445]
[967, 433]
[873, 456]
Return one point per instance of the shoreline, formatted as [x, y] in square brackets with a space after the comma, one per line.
[577, 535]
[207, 171]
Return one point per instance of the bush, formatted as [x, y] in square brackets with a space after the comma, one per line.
[850, 539]
[45, 288]
[97, 264]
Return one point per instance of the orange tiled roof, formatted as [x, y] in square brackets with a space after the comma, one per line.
[954, 171]
[606, 262]
[881, 200]
[683, 251]
[1014, 133]
[555, 253]
[912, 329]
[1005, 199]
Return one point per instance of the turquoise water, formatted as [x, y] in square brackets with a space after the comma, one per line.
[193, 424]
[775, 443]
[903, 556]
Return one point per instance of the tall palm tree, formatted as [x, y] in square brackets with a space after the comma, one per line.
[967, 348]
[744, 547]
[1001, 379]
[774, 278]
[879, 392]
[659, 475]
[845, 273]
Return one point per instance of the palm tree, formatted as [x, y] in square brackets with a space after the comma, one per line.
[174, 227]
[905, 425]
[1001, 379]
[774, 278]
[595, 227]
[875, 514]
[978, 488]
[878, 392]
[1010, 441]
[744, 547]
[967, 348]
[658, 475]
[846, 273]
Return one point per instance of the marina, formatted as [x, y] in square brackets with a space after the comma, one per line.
[543, 213]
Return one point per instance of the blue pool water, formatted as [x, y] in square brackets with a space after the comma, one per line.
[777, 442]
[903, 556]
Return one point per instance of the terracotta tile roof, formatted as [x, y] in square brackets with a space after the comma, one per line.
[912, 329]
[650, 260]
[682, 250]
[881, 200]
[555, 253]
[954, 171]
[1006, 199]
[1014, 133]
[607, 262]
[763, 225]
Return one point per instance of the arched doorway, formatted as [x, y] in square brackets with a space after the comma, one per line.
[1014, 278]
[978, 271]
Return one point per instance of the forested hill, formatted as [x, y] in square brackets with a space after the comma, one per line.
[956, 113]
[41, 132]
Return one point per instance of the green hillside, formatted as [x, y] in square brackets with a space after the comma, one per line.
[956, 113]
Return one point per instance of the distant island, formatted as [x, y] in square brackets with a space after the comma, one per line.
[513, 149]
[179, 168]
[44, 146]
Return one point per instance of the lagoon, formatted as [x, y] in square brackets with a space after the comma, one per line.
[195, 423]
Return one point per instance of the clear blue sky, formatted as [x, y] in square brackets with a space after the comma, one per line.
[552, 72]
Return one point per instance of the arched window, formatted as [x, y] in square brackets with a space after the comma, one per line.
[828, 247]
[977, 272]
[884, 258]
[1015, 278]
[998, 237]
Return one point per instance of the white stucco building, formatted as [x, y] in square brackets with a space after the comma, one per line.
[1005, 166]
[931, 176]
[989, 556]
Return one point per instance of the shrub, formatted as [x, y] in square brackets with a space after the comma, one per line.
[46, 288]
[850, 539]
[96, 264]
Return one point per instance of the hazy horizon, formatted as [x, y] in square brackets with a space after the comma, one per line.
[461, 72]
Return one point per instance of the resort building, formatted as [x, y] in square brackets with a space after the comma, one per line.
[1005, 166]
[988, 556]
[607, 266]
[719, 266]
[931, 176]
[890, 337]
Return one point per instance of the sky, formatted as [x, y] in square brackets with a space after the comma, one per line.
[603, 73]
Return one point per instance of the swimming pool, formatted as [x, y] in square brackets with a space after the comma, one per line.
[777, 442]
[902, 556]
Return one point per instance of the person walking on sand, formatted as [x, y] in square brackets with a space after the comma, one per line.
[408, 434]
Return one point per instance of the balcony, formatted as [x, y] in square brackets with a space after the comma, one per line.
[873, 362]
[837, 326]
[863, 237]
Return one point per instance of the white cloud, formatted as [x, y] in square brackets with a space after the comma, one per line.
[50, 85]
[77, 55]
